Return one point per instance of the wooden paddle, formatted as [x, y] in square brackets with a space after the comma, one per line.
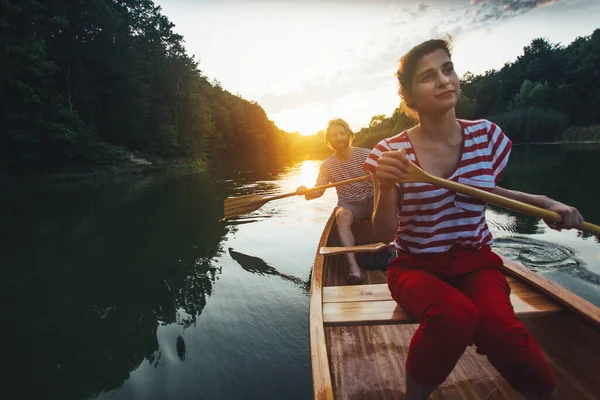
[416, 174]
[364, 248]
[239, 205]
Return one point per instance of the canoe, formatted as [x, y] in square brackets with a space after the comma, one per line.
[359, 336]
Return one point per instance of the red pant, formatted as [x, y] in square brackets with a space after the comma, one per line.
[460, 297]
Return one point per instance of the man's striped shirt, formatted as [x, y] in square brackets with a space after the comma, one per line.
[334, 170]
[432, 219]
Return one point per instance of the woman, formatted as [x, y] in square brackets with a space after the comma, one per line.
[445, 275]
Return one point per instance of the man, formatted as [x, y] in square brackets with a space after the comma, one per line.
[355, 200]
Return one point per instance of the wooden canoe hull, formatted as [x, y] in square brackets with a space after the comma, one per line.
[365, 359]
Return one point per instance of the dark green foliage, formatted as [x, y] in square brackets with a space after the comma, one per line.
[91, 82]
[533, 99]
[545, 89]
[532, 124]
[381, 127]
[86, 82]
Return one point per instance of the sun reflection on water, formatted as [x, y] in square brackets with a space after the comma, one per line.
[309, 172]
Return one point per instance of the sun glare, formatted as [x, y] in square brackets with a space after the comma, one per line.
[309, 170]
[308, 119]
[304, 120]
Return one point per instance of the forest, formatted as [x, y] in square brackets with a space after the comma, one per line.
[92, 83]
[548, 93]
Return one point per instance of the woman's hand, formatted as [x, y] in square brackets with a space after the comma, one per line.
[392, 167]
[571, 218]
[301, 190]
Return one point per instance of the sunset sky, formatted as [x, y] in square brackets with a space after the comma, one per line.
[307, 61]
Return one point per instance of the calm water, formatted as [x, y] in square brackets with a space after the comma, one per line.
[134, 290]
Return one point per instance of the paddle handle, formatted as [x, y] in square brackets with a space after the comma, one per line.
[365, 248]
[502, 201]
[318, 188]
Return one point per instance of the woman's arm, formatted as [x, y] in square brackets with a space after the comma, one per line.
[391, 167]
[571, 216]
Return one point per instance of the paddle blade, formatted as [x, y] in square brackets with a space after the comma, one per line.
[240, 205]
[365, 248]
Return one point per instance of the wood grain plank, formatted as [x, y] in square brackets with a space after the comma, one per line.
[525, 304]
[364, 313]
[377, 292]
[342, 294]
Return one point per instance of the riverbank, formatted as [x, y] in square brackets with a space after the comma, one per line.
[130, 164]
[582, 134]
[575, 136]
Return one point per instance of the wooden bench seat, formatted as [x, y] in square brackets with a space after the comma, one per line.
[373, 305]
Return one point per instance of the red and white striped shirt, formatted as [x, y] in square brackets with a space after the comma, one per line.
[433, 219]
[334, 170]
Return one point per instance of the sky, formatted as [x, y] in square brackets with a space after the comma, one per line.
[308, 61]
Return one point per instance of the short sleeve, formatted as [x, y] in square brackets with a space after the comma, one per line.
[371, 161]
[323, 177]
[500, 146]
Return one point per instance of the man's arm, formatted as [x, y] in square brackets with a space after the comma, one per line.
[314, 195]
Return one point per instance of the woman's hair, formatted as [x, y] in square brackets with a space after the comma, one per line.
[339, 122]
[408, 65]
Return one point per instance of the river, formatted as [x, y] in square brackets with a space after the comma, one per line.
[133, 289]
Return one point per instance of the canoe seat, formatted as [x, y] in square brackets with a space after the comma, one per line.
[373, 305]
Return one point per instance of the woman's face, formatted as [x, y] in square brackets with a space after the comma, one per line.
[435, 85]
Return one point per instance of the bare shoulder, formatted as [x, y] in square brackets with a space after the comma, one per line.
[415, 129]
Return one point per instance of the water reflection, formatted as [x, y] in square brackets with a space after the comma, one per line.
[562, 172]
[92, 272]
[515, 223]
[544, 257]
[180, 348]
[256, 265]
[106, 281]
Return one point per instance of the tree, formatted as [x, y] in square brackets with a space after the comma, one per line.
[377, 119]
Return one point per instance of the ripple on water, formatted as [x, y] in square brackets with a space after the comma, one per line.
[542, 256]
[507, 226]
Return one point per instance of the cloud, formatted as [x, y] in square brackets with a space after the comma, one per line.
[315, 93]
[492, 10]
[378, 66]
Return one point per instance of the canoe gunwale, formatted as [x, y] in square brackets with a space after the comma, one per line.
[319, 359]
[587, 311]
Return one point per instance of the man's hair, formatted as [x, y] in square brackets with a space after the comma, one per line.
[339, 122]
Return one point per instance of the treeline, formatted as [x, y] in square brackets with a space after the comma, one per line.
[93, 82]
[534, 99]
[102, 82]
